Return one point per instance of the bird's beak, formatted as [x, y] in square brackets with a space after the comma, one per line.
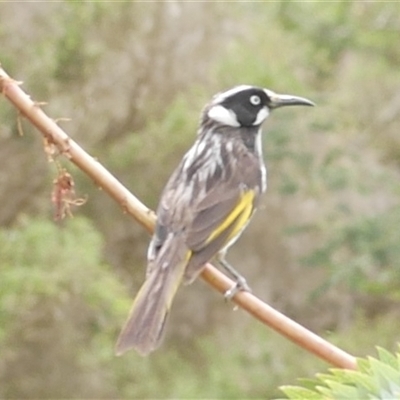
[282, 100]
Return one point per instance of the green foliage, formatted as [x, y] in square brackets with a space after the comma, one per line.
[365, 253]
[257, 59]
[70, 56]
[251, 368]
[375, 378]
[59, 305]
[164, 140]
[39, 259]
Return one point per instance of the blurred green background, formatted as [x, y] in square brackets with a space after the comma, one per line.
[133, 78]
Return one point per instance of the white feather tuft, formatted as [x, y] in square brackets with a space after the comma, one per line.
[223, 115]
[261, 116]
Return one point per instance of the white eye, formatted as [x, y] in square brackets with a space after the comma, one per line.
[255, 100]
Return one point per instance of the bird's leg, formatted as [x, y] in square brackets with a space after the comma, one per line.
[240, 285]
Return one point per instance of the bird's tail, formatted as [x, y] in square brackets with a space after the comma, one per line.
[144, 327]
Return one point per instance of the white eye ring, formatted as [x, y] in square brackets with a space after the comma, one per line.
[255, 100]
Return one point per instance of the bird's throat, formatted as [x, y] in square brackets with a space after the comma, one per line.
[251, 138]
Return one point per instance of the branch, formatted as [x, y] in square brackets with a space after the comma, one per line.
[131, 205]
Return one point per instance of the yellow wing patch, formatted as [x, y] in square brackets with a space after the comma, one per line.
[239, 215]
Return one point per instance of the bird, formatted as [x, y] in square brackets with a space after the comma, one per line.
[206, 204]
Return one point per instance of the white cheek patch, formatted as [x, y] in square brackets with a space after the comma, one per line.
[223, 115]
[262, 114]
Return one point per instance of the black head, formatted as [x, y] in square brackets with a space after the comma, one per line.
[249, 105]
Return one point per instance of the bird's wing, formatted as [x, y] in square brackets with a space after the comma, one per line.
[209, 209]
[219, 219]
[223, 212]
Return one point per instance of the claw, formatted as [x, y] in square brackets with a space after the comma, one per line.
[240, 286]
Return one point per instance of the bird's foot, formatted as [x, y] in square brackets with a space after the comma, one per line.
[240, 286]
